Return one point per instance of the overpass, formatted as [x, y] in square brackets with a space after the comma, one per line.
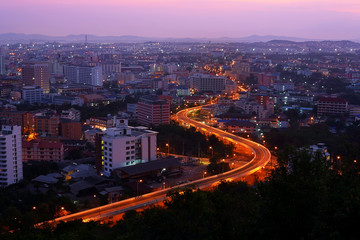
[261, 156]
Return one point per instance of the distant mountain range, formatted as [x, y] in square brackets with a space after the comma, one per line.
[26, 38]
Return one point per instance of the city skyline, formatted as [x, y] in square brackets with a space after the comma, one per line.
[317, 19]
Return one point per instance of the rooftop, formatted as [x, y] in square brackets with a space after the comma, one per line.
[151, 166]
[334, 100]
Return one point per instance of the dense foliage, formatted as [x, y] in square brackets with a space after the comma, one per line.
[304, 198]
[345, 142]
[191, 142]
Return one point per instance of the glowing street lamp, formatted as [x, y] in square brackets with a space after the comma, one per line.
[212, 151]
[137, 186]
[222, 165]
[168, 146]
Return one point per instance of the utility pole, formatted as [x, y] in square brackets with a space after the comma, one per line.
[199, 150]
[183, 151]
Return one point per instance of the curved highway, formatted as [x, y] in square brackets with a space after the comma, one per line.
[261, 154]
[261, 158]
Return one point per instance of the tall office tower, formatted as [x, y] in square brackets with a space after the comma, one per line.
[205, 82]
[11, 170]
[84, 75]
[125, 146]
[2, 64]
[36, 74]
[153, 111]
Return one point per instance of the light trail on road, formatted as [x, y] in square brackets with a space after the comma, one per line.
[261, 157]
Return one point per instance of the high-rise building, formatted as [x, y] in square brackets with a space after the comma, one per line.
[153, 111]
[2, 64]
[84, 75]
[32, 94]
[36, 74]
[205, 82]
[11, 170]
[125, 146]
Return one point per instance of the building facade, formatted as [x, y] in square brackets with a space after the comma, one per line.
[110, 67]
[11, 170]
[332, 106]
[84, 75]
[47, 125]
[36, 74]
[2, 64]
[205, 82]
[37, 150]
[19, 118]
[32, 94]
[70, 129]
[125, 146]
[153, 111]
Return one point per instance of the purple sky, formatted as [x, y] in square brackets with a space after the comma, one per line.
[320, 19]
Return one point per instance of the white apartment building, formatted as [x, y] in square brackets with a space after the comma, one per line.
[32, 94]
[125, 146]
[71, 114]
[11, 170]
[84, 75]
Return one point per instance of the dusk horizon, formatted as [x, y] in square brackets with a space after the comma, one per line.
[244, 38]
[200, 19]
[179, 119]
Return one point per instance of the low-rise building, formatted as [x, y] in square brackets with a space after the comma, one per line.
[240, 127]
[100, 122]
[70, 129]
[332, 106]
[32, 94]
[37, 150]
[71, 114]
[47, 125]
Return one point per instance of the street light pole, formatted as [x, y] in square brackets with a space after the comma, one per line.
[212, 151]
[168, 146]
[137, 187]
